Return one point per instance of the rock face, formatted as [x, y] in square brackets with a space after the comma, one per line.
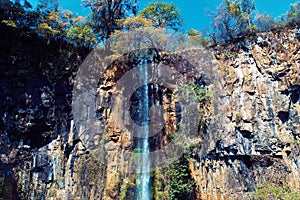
[255, 120]
[36, 85]
[249, 132]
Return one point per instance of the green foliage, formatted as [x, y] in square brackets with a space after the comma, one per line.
[238, 117]
[9, 23]
[196, 93]
[128, 188]
[47, 21]
[138, 150]
[295, 144]
[82, 35]
[122, 42]
[171, 135]
[192, 32]
[163, 15]
[192, 90]
[106, 15]
[45, 30]
[158, 185]
[232, 18]
[181, 185]
[56, 24]
[125, 190]
[292, 17]
[268, 191]
[9, 73]
[197, 39]
[194, 147]
[91, 168]
[12, 14]
[135, 22]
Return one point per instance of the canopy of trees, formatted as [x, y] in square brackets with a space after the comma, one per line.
[233, 18]
[197, 39]
[107, 13]
[264, 22]
[48, 21]
[181, 185]
[292, 17]
[163, 15]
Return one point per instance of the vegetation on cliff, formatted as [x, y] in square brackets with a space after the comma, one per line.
[232, 19]
[268, 191]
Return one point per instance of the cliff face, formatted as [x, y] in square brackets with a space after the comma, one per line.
[36, 95]
[255, 119]
[248, 135]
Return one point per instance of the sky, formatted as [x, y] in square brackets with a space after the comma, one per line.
[194, 12]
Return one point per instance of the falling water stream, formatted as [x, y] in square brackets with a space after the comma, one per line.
[143, 188]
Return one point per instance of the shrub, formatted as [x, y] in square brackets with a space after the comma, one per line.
[181, 185]
[268, 191]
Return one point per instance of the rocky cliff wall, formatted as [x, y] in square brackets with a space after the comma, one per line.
[255, 119]
[248, 135]
[36, 95]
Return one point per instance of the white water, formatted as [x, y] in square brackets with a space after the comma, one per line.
[143, 187]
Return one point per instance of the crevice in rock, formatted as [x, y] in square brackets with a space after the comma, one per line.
[69, 148]
[246, 134]
[256, 65]
[295, 94]
[283, 116]
[250, 92]
[262, 160]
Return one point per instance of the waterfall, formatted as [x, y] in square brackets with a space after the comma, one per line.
[143, 188]
[34, 158]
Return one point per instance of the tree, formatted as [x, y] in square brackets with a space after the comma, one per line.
[131, 23]
[197, 39]
[107, 13]
[246, 19]
[292, 17]
[135, 22]
[66, 25]
[264, 22]
[15, 14]
[48, 5]
[163, 15]
[82, 35]
[181, 185]
[232, 18]
[50, 25]
[47, 21]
